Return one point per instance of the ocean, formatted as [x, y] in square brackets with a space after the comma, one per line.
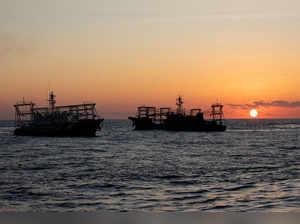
[253, 166]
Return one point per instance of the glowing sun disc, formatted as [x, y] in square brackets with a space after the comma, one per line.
[253, 113]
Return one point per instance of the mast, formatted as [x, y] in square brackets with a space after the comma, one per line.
[179, 103]
[52, 101]
[217, 112]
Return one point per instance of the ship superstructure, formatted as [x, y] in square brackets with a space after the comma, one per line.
[178, 120]
[70, 120]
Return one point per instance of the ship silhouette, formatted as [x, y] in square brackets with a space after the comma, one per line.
[148, 118]
[70, 120]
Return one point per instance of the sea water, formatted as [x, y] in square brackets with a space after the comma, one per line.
[253, 166]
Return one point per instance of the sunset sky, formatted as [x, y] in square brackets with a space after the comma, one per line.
[125, 53]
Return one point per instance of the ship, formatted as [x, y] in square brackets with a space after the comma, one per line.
[52, 120]
[149, 118]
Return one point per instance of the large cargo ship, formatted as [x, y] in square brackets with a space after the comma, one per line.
[148, 118]
[70, 120]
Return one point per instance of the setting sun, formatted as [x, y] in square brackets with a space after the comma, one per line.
[253, 113]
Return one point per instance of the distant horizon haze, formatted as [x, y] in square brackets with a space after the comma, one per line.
[122, 111]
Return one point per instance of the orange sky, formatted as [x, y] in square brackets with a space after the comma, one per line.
[146, 53]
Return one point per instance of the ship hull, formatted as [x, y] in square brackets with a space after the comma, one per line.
[198, 125]
[85, 128]
[202, 128]
[143, 124]
[177, 125]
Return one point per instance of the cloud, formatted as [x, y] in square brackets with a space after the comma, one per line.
[261, 103]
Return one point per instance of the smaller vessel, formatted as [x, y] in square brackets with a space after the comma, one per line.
[70, 120]
[150, 118]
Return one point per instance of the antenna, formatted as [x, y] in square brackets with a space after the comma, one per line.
[48, 90]
[179, 103]
[52, 101]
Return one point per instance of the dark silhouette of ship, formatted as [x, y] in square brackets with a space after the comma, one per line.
[70, 120]
[148, 118]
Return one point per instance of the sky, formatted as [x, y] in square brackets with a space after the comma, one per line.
[123, 54]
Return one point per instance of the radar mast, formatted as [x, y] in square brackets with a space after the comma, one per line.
[52, 101]
[179, 103]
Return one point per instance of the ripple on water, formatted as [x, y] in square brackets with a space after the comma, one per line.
[244, 169]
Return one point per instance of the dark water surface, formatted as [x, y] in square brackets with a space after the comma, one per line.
[254, 166]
